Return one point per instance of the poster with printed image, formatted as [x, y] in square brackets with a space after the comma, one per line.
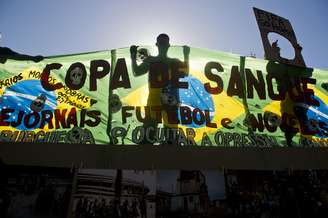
[190, 193]
[114, 193]
[280, 193]
[41, 192]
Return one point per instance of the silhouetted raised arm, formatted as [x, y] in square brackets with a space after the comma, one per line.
[141, 69]
[186, 52]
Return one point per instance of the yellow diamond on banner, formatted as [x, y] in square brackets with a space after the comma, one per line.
[220, 106]
[275, 106]
[313, 112]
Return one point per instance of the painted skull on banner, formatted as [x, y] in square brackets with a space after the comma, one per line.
[142, 54]
[75, 135]
[115, 103]
[38, 104]
[76, 75]
[169, 96]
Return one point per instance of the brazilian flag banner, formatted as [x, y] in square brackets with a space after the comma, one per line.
[220, 99]
[61, 110]
[148, 95]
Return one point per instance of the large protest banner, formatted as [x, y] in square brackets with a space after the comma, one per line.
[198, 111]
[287, 104]
[189, 96]
[229, 100]
[67, 113]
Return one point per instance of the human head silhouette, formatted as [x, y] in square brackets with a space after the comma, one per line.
[276, 49]
[163, 43]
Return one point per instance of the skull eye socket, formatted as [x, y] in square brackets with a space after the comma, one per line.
[313, 124]
[115, 103]
[77, 74]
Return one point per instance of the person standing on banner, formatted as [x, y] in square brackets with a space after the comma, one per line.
[166, 95]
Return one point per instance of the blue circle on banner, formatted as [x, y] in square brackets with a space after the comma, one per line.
[318, 114]
[196, 97]
[20, 97]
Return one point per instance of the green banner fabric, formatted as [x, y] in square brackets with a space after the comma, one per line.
[31, 113]
[188, 96]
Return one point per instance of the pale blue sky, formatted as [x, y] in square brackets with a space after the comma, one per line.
[71, 26]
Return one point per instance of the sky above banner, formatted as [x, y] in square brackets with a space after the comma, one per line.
[62, 27]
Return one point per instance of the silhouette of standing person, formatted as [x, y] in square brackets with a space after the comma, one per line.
[167, 95]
